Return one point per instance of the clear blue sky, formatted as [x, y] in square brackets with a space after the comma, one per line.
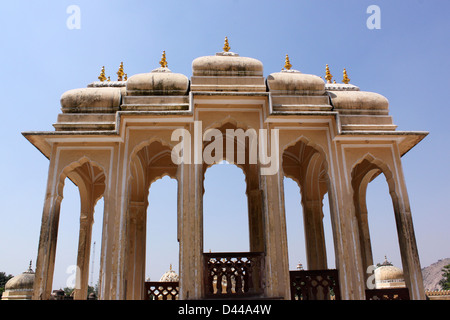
[407, 60]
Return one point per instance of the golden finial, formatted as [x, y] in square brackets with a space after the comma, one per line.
[226, 46]
[120, 72]
[346, 79]
[102, 77]
[109, 79]
[287, 63]
[328, 75]
[125, 77]
[163, 61]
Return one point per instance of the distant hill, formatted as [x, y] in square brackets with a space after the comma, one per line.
[433, 274]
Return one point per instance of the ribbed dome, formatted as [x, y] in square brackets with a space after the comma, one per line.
[226, 64]
[160, 81]
[296, 83]
[24, 281]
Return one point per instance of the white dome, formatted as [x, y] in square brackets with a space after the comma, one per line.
[170, 276]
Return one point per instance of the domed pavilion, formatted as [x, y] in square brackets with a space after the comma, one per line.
[114, 138]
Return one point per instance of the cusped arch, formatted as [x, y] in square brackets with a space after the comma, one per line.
[368, 164]
[304, 142]
[143, 167]
[84, 173]
[229, 122]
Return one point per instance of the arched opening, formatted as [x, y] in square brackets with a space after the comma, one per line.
[375, 201]
[68, 232]
[296, 231]
[89, 183]
[162, 247]
[305, 168]
[151, 220]
[233, 237]
[294, 225]
[225, 210]
[308, 223]
[382, 223]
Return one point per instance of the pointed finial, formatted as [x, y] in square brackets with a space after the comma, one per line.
[163, 61]
[30, 270]
[120, 72]
[287, 63]
[226, 46]
[170, 267]
[328, 75]
[102, 76]
[109, 78]
[346, 79]
[125, 77]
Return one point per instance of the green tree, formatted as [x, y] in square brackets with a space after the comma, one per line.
[445, 281]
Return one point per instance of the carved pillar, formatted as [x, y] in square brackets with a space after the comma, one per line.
[346, 243]
[255, 209]
[407, 240]
[190, 227]
[277, 264]
[45, 263]
[314, 234]
[136, 246]
[84, 249]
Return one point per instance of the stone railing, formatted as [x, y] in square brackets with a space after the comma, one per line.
[438, 294]
[314, 285]
[233, 274]
[160, 290]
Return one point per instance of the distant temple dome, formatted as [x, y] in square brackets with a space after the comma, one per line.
[20, 287]
[388, 276]
[170, 276]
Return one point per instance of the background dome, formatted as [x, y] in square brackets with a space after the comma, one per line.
[170, 276]
[388, 273]
[22, 281]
